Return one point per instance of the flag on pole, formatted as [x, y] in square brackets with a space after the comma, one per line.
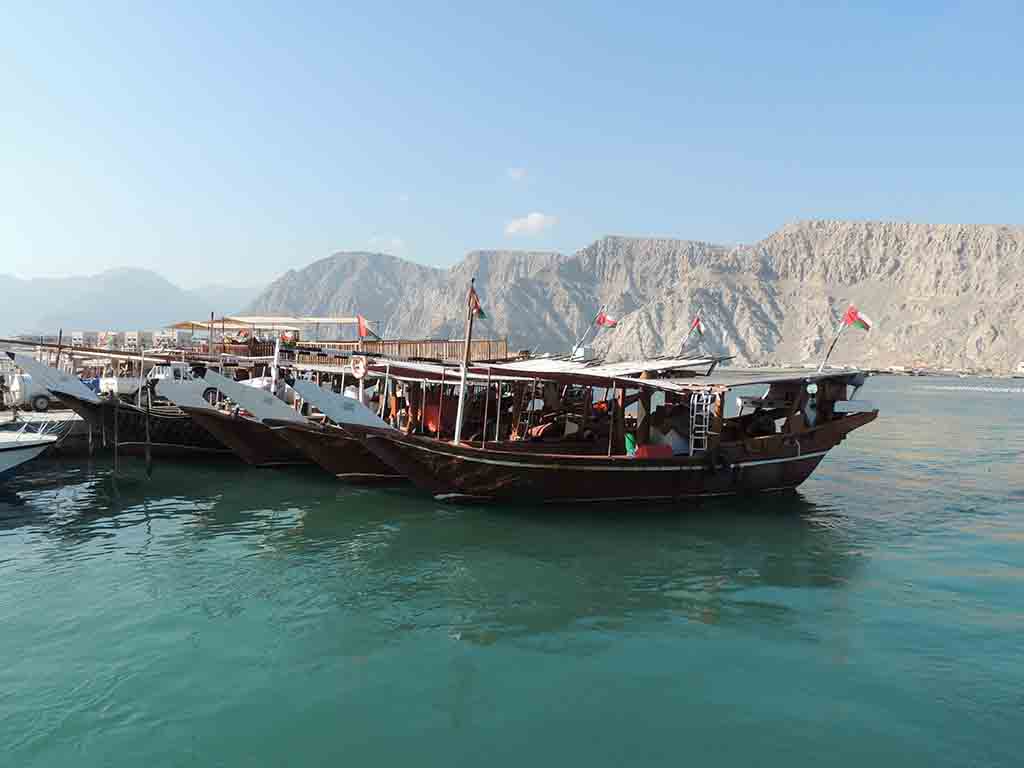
[697, 325]
[363, 330]
[857, 319]
[605, 320]
[854, 318]
[474, 304]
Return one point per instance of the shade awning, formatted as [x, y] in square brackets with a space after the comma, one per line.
[263, 322]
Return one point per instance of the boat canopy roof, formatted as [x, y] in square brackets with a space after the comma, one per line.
[745, 377]
[543, 367]
[673, 374]
[414, 370]
[263, 322]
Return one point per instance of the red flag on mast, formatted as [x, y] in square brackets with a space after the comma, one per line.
[474, 304]
[857, 319]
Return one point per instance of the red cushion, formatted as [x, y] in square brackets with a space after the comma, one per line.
[653, 452]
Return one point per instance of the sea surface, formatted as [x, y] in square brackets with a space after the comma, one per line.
[222, 616]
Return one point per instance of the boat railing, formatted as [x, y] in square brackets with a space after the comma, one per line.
[313, 352]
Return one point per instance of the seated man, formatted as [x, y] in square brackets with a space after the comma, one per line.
[761, 424]
[665, 431]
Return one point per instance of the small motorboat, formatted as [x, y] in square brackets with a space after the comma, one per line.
[19, 447]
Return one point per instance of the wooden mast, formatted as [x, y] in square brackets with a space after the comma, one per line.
[470, 314]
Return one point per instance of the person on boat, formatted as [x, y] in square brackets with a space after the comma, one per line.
[761, 424]
[353, 391]
[668, 430]
[551, 396]
[413, 399]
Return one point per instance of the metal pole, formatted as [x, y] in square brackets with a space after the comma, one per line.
[142, 368]
[689, 332]
[117, 402]
[149, 452]
[273, 367]
[384, 394]
[611, 424]
[487, 402]
[423, 407]
[828, 354]
[440, 405]
[685, 340]
[586, 333]
[533, 396]
[498, 424]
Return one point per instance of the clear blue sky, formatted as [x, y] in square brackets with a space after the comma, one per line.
[215, 141]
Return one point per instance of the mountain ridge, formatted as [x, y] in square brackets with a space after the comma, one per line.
[120, 298]
[941, 294]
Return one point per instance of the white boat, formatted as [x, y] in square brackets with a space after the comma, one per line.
[19, 447]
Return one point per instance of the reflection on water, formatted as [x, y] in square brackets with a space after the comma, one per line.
[479, 571]
[243, 615]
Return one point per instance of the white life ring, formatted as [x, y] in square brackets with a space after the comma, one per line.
[358, 366]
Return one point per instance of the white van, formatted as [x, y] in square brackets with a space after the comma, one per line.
[22, 392]
[128, 386]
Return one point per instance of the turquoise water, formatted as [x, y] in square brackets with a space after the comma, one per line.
[226, 616]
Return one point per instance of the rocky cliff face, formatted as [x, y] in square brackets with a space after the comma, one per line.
[940, 295]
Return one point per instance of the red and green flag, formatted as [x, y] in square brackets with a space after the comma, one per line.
[857, 319]
[474, 304]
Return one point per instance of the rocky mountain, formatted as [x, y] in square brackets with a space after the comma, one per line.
[118, 299]
[939, 295]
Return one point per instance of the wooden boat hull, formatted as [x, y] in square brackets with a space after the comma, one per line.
[337, 452]
[452, 472]
[252, 441]
[172, 433]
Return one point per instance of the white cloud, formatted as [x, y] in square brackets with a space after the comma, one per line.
[403, 198]
[531, 224]
[516, 174]
[388, 243]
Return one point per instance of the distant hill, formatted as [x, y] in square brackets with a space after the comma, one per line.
[118, 299]
[226, 299]
[941, 295]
